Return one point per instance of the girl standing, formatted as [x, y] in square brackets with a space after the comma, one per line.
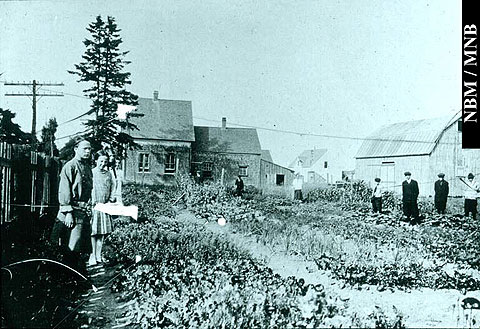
[103, 186]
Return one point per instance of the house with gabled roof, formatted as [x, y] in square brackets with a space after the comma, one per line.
[165, 134]
[423, 147]
[171, 146]
[222, 153]
[317, 166]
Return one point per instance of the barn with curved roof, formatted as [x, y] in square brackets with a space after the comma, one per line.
[423, 147]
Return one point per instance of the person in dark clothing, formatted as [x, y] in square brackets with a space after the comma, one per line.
[377, 197]
[239, 186]
[410, 195]
[441, 194]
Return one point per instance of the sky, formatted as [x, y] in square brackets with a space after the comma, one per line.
[340, 68]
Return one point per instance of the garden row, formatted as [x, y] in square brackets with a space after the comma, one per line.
[357, 246]
[192, 279]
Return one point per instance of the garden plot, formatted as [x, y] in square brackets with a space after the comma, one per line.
[372, 270]
[421, 307]
[361, 250]
[190, 277]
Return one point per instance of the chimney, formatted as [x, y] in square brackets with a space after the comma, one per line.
[155, 95]
[224, 123]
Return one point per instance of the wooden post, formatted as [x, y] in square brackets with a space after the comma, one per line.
[223, 176]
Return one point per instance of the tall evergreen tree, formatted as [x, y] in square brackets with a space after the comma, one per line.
[103, 68]
[47, 143]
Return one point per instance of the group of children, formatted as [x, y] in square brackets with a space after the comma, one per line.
[410, 193]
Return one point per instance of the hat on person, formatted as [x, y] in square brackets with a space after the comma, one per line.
[408, 173]
[77, 140]
[441, 175]
[377, 180]
[470, 175]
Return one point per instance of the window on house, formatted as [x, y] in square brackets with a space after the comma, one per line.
[325, 164]
[170, 160]
[143, 162]
[243, 171]
[207, 169]
[280, 179]
[459, 125]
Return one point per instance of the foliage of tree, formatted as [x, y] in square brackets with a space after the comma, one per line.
[103, 69]
[47, 143]
[67, 152]
[10, 132]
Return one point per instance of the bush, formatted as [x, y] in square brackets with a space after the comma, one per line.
[152, 201]
[351, 196]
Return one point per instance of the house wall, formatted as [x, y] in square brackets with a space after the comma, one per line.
[231, 163]
[268, 174]
[332, 173]
[157, 150]
[321, 175]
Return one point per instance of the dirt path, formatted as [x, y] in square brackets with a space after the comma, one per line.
[420, 308]
[100, 309]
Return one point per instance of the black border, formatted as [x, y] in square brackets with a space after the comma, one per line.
[470, 116]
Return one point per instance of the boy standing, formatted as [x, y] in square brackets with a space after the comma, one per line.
[377, 197]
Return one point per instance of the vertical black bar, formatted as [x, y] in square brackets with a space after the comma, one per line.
[470, 116]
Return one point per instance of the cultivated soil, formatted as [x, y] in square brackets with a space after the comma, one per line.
[419, 307]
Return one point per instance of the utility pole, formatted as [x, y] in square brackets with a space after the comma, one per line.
[35, 88]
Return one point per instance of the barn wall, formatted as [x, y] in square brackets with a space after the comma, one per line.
[444, 159]
[393, 174]
[449, 157]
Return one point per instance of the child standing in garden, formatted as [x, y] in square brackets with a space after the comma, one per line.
[118, 176]
[102, 192]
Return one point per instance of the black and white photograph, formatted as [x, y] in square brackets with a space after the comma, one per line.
[239, 164]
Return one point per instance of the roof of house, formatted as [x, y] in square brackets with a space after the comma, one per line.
[226, 140]
[405, 138]
[267, 156]
[164, 119]
[308, 157]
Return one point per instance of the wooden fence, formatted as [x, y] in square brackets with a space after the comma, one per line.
[29, 183]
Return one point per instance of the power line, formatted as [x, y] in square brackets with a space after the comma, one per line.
[286, 131]
[35, 88]
[295, 132]
[328, 135]
[72, 135]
